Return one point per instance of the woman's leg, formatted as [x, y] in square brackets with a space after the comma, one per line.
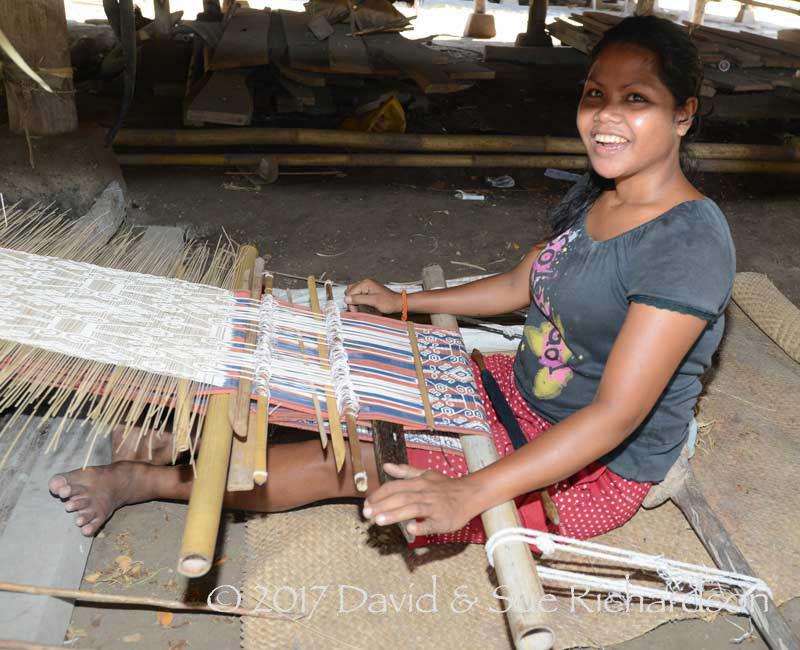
[299, 473]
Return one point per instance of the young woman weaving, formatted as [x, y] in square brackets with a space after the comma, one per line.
[626, 308]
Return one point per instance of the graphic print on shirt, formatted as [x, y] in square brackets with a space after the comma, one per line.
[547, 341]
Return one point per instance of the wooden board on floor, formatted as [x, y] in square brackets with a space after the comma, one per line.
[276, 41]
[39, 542]
[244, 42]
[226, 98]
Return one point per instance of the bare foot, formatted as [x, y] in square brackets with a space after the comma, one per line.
[95, 493]
[155, 448]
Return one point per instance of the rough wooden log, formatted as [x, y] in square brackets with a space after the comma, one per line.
[535, 35]
[163, 22]
[514, 563]
[681, 486]
[38, 30]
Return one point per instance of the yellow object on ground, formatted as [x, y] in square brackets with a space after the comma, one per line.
[389, 118]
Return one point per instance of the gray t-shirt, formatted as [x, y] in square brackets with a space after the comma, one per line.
[683, 260]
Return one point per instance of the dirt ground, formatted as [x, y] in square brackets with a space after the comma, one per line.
[386, 224]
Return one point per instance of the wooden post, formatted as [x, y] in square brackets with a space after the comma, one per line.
[38, 30]
[479, 23]
[697, 10]
[535, 36]
[514, 564]
[163, 22]
[646, 7]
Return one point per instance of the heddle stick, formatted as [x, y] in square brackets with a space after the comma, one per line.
[323, 431]
[242, 464]
[262, 416]
[359, 473]
[337, 438]
[247, 283]
[423, 387]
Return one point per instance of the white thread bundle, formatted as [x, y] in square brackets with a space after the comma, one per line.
[263, 369]
[673, 573]
[346, 397]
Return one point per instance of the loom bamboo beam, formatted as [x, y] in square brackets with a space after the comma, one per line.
[242, 464]
[205, 503]
[410, 142]
[335, 424]
[464, 161]
[359, 473]
[514, 563]
[260, 472]
[208, 490]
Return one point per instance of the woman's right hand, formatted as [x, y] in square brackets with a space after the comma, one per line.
[373, 294]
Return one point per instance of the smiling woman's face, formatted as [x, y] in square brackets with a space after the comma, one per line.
[627, 117]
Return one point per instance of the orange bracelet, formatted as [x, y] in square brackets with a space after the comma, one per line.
[405, 305]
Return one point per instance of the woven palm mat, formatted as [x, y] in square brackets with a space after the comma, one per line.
[747, 445]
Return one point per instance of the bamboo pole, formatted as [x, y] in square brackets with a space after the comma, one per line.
[357, 160]
[514, 563]
[335, 424]
[505, 144]
[208, 490]
[242, 464]
[260, 471]
[435, 161]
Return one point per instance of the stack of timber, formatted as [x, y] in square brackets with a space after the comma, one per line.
[320, 63]
[736, 61]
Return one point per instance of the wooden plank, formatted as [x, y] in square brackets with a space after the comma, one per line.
[303, 46]
[786, 47]
[419, 62]
[736, 81]
[543, 56]
[348, 53]
[276, 41]
[226, 98]
[47, 547]
[244, 42]
[303, 93]
[313, 79]
[467, 70]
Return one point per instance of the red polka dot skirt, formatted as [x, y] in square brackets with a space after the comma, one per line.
[591, 502]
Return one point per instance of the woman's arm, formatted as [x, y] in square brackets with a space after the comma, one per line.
[645, 356]
[498, 294]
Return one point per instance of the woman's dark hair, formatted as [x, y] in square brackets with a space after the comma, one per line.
[680, 70]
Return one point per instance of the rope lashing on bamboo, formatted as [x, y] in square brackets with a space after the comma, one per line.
[346, 397]
[768, 308]
[676, 576]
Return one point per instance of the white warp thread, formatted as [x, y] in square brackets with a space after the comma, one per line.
[263, 353]
[675, 574]
[159, 325]
[346, 397]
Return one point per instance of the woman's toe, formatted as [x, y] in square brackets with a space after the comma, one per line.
[76, 503]
[56, 483]
[91, 528]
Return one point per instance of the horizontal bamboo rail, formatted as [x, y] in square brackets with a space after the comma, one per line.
[409, 142]
[429, 160]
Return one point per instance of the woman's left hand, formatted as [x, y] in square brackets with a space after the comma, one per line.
[441, 502]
